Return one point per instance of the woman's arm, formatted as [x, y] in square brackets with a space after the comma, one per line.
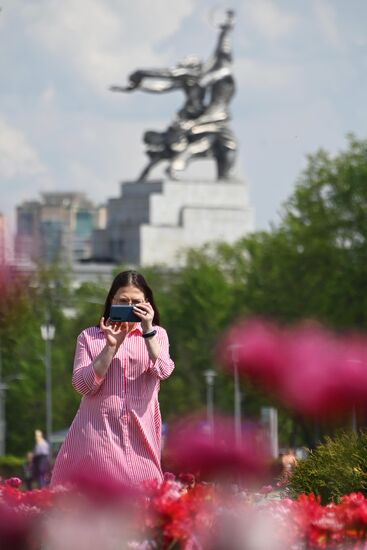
[102, 362]
[89, 371]
[161, 364]
[157, 345]
[84, 380]
[153, 347]
[146, 314]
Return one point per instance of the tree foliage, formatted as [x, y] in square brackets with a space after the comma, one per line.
[314, 263]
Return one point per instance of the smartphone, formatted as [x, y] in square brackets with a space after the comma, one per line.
[123, 314]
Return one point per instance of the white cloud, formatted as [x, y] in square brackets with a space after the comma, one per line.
[17, 157]
[268, 19]
[103, 39]
[327, 21]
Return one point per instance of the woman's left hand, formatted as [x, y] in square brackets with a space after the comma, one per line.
[146, 314]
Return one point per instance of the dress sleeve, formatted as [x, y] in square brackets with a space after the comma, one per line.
[85, 380]
[163, 365]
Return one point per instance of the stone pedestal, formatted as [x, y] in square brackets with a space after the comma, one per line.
[151, 222]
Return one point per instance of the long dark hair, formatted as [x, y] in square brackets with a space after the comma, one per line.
[131, 278]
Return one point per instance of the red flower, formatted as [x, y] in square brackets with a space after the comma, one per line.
[176, 514]
[187, 479]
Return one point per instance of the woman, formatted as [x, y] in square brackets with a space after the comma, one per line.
[116, 433]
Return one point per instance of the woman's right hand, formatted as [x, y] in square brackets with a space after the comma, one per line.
[115, 332]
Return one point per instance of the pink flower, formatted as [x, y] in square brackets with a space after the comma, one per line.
[190, 447]
[311, 370]
[353, 368]
[327, 374]
[14, 482]
[311, 385]
[169, 476]
[266, 489]
[257, 348]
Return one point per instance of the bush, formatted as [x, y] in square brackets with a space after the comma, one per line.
[335, 468]
[11, 466]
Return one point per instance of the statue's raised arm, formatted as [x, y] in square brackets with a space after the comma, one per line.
[222, 54]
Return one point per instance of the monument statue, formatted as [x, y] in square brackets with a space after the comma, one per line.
[201, 127]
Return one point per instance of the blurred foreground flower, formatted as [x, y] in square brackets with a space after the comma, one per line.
[21, 515]
[190, 446]
[173, 516]
[15, 529]
[308, 368]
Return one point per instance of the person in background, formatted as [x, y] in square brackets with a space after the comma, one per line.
[41, 464]
[28, 471]
[289, 461]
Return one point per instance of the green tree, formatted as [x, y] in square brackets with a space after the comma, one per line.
[27, 303]
[314, 263]
[19, 349]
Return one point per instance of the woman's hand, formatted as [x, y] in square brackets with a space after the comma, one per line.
[115, 332]
[146, 314]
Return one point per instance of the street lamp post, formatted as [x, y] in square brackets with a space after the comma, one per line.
[209, 378]
[237, 394]
[48, 334]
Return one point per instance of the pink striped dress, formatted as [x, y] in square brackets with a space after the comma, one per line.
[116, 432]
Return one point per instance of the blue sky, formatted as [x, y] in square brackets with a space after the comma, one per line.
[300, 65]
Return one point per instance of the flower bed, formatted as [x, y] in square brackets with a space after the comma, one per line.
[175, 514]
